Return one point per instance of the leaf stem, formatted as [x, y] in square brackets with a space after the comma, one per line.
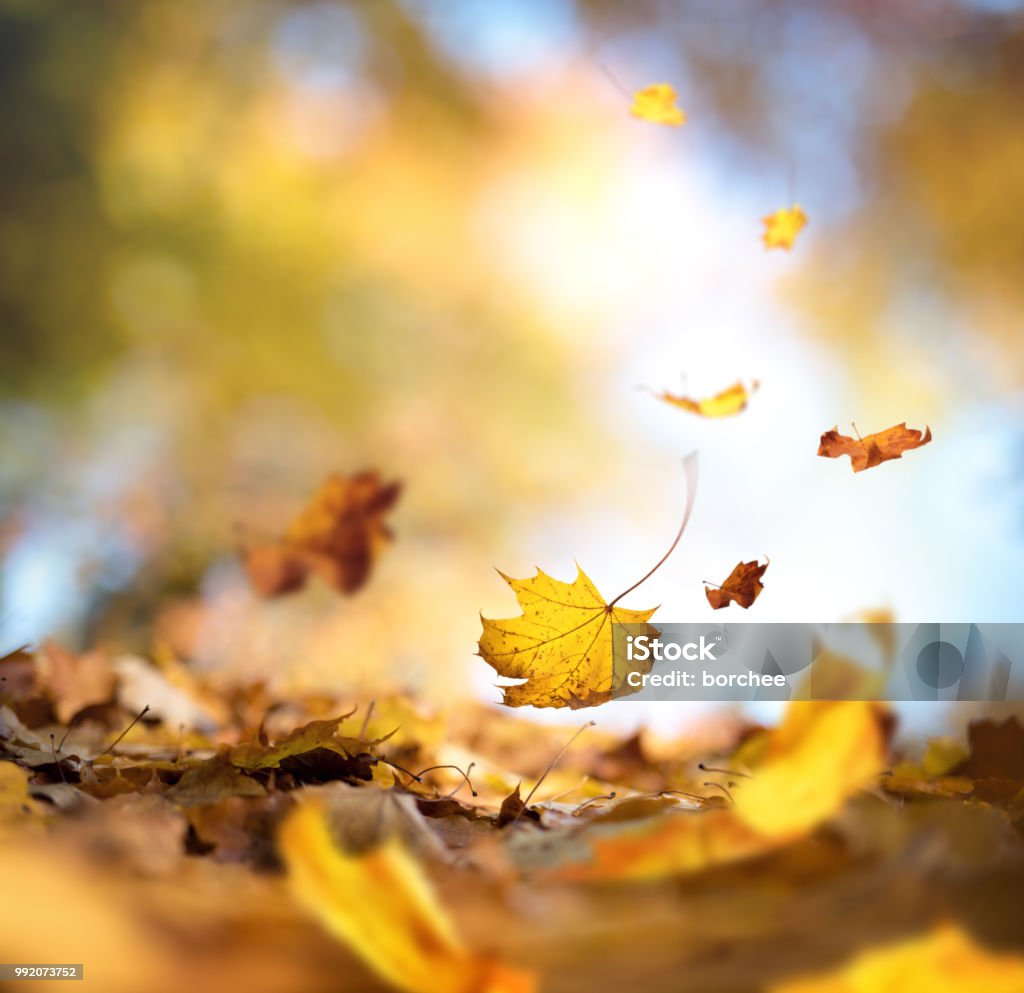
[690, 469]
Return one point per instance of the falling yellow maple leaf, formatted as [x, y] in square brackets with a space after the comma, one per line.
[782, 227]
[947, 960]
[801, 774]
[565, 645]
[657, 103]
[381, 904]
[727, 403]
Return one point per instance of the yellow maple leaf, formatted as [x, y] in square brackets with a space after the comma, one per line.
[727, 403]
[947, 960]
[782, 227]
[566, 645]
[563, 645]
[657, 103]
[801, 774]
[381, 904]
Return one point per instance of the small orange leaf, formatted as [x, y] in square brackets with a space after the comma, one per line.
[782, 227]
[874, 449]
[743, 586]
[657, 103]
[337, 536]
[727, 403]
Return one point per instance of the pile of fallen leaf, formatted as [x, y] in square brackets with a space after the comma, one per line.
[222, 836]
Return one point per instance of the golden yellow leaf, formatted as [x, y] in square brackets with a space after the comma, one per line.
[947, 960]
[782, 227]
[801, 774]
[563, 645]
[657, 103]
[727, 403]
[381, 904]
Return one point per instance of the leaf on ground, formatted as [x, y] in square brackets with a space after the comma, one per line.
[76, 681]
[657, 103]
[15, 803]
[873, 449]
[946, 960]
[743, 586]
[512, 808]
[782, 227]
[214, 780]
[337, 536]
[382, 906]
[727, 403]
[314, 751]
[819, 755]
[564, 646]
[803, 773]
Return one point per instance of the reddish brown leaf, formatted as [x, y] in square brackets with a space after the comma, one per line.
[874, 449]
[743, 586]
[337, 536]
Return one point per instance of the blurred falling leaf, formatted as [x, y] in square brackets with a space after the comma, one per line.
[874, 449]
[743, 586]
[945, 961]
[381, 904]
[337, 536]
[563, 646]
[657, 103]
[727, 403]
[782, 227]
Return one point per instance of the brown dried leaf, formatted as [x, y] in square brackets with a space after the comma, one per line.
[743, 586]
[873, 449]
[337, 536]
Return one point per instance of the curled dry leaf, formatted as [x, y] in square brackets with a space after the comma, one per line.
[782, 227]
[382, 906]
[873, 449]
[564, 646]
[657, 103]
[727, 403]
[743, 586]
[947, 960]
[337, 536]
